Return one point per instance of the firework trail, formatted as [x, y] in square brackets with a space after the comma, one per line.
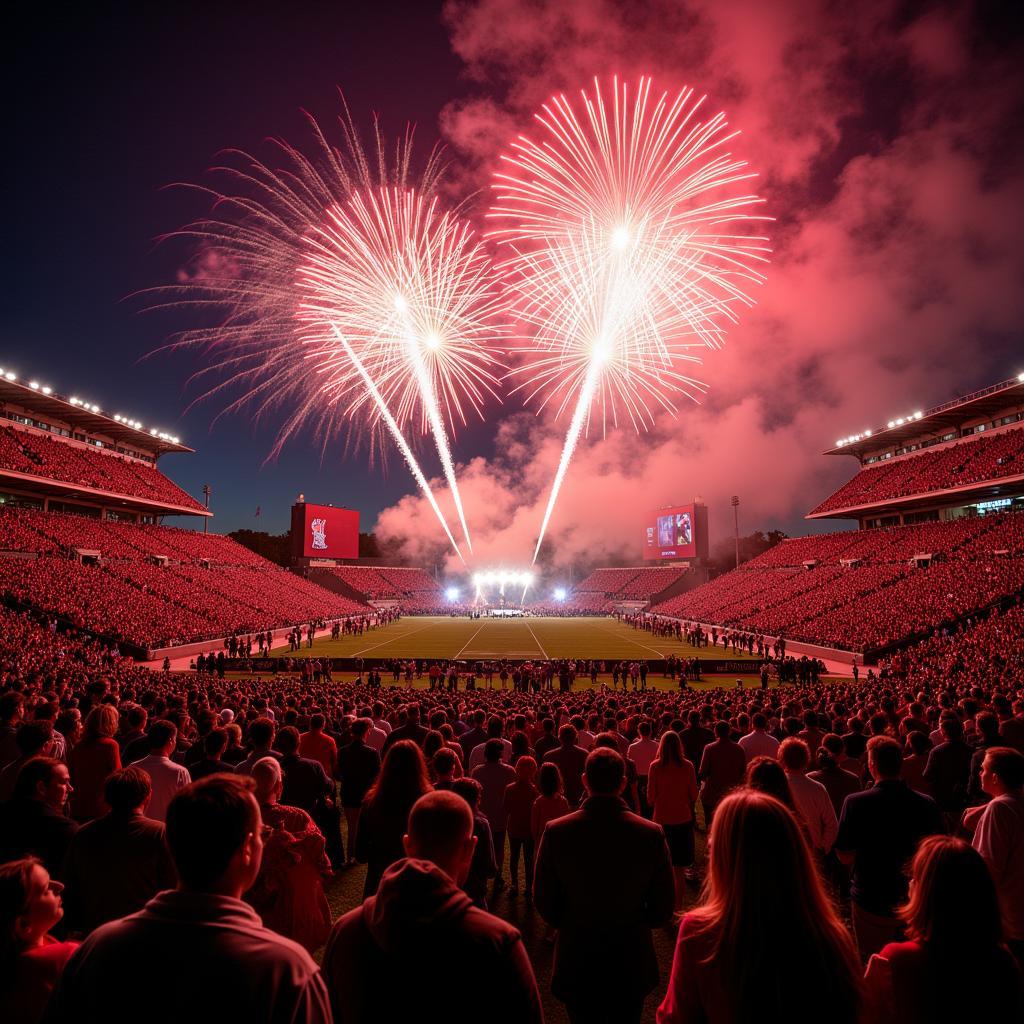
[627, 238]
[396, 432]
[332, 272]
[416, 296]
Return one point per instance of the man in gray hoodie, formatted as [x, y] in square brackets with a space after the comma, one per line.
[419, 945]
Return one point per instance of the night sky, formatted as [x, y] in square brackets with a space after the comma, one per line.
[889, 137]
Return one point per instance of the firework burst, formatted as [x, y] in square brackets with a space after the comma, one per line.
[626, 227]
[345, 296]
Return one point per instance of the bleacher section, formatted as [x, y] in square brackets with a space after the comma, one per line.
[603, 589]
[132, 598]
[46, 457]
[415, 590]
[864, 589]
[979, 459]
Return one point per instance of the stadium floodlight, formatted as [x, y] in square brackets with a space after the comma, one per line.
[560, 593]
[1020, 377]
[34, 385]
[891, 424]
[46, 390]
[452, 593]
[10, 376]
[918, 415]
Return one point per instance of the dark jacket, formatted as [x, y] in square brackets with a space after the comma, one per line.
[604, 912]
[358, 768]
[410, 731]
[305, 783]
[115, 865]
[571, 761]
[389, 957]
[30, 827]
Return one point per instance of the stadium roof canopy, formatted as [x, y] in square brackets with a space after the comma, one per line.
[908, 428]
[82, 415]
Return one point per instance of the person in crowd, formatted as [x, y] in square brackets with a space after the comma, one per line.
[260, 738]
[316, 744]
[642, 751]
[759, 742]
[167, 777]
[954, 965]
[517, 808]
[33, 739]
[695, 736]
[948, 771]
[358, 766]
[764, 911]
[999, 836]
[484, 865]
[289, 891]
[879, 830]
[551, 802]
[495, 729]
[723, 765]
[92, 760]
[495, 777]
[402, 781]
[419, 927]
[766, 775]
[133, 741]
[813, 804]
[838, 782]
[306, 785]
[31, 959]
[214, 747]
[604, 932]
[570, 759]
[473, 736]
[411, 730]
[672, 790]
[34, 821]
[116, 863]
[161, 958]
[12, 705]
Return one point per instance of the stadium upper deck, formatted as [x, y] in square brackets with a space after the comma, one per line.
[965, 456]
[65, 453]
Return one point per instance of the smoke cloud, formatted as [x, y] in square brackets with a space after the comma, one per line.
[890, 154]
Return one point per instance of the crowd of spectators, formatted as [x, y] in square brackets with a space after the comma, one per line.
[24, 451]
[864, 589]
[192, 820]
[983, 457]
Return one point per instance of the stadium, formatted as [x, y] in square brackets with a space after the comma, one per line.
[404, 660]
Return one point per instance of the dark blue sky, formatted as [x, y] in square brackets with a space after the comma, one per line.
[104, 111]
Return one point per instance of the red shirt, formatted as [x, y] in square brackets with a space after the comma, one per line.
[89, 763]
[35, 975]
[519, 798]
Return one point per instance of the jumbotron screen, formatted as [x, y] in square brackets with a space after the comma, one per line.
[323, 531]
[671, 533]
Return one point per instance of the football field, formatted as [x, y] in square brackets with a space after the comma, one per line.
[594, 637]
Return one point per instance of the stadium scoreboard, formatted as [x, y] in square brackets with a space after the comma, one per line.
[324, 531]
[676, 532]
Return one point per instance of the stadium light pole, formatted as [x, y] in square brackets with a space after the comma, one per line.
[736, 526]
[206, 519]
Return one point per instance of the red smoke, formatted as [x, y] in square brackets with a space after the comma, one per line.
[890, 156]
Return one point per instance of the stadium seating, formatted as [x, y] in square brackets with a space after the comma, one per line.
[976, 460]
[603, 588]
[879, 596]
[130, 597]
[415, 590]
[70, 462]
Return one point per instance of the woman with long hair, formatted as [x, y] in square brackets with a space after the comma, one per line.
[766, 775]
[92, 760]
[672, 794]
[382, 821]
[765, 944]
[31, 960]
[954, 966]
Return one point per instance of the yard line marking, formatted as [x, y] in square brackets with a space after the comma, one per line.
[469, 641]
[385, 643]
[637, 643]
[540, 646]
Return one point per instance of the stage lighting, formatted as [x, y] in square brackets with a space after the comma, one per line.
[560, 593]
[452, 593]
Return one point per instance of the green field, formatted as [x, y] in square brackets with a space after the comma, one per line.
[429, 637]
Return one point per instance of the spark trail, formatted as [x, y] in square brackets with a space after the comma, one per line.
[627, 246]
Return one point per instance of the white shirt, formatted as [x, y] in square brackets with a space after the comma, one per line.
[375, 738]
[642, 752]
[999, 838]
[585, 738]
[383, 724]
[759, 744]
[476, 755]
[167, 777]
[815, 808]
